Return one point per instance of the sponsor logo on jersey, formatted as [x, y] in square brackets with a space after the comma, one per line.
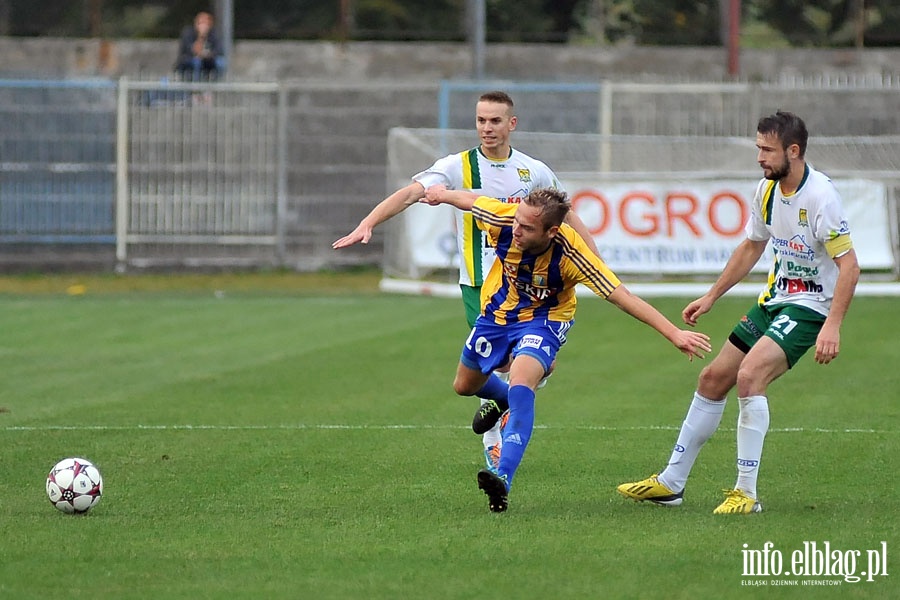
[538, 294]
[798, 270]
[516, 197]
[798, 286]
[795, 247]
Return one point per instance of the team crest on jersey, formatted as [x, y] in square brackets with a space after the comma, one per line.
[524, 175]
[539, 280]
[804, 221]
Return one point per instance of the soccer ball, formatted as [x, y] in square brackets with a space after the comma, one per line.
[74, 485]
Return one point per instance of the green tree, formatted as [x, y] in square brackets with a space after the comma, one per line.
[678, 22]
[830, 23]
[822, 23]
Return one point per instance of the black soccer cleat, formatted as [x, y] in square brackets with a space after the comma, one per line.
[487, 416]
[495, 489]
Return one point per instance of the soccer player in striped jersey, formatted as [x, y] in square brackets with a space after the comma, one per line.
[811, 283]
[493, 168]
[528, 307]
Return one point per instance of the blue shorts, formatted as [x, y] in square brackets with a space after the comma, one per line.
[490, 346]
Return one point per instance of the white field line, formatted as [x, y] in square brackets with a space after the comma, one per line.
[301, 427]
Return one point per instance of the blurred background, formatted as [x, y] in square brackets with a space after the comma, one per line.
[109, 160]
[765, 23]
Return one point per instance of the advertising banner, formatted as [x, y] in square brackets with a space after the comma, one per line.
[686, 227]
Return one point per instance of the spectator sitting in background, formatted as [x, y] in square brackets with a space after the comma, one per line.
[200, 55]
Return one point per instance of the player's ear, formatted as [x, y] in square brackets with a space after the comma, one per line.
[513, 120]
[553, 231]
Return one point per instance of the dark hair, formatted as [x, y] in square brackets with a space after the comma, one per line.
[498, 97]
[789, 128]
[553, 204]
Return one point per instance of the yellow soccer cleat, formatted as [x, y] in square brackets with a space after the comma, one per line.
[651, 490]
[737, 503]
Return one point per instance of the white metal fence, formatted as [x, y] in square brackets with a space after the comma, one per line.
[201, 173]
[268, 174]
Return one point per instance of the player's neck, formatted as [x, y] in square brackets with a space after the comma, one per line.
[498, 153]
[791, 183]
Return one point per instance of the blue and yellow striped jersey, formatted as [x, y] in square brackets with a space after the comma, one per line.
[523, 287]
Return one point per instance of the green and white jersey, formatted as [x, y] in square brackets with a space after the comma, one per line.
[808, 230]
[507, 180]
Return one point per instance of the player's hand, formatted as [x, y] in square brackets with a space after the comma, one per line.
[828, 344]
[692, 343]
[692, 311]
[362, 234]
[433, 194]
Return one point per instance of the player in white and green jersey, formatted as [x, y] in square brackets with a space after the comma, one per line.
[493, 168]
[814, 273]
[509, 179]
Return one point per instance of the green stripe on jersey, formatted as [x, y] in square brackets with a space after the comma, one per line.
[472, 158]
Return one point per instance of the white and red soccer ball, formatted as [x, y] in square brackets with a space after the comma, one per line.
[74, 485]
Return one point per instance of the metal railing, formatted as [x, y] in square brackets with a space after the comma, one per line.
[268, 174]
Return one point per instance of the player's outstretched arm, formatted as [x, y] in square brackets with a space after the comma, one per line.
[439, 194]
[690, 343]
[744, 257]
[384, 210]
[578, 225]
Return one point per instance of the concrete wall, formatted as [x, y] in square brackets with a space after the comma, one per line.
[272, 60]
[345, 97]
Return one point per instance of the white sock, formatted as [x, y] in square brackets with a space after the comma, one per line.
[491, 437]
[753, 423]
[701, 422]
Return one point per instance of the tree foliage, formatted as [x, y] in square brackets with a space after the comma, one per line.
[831, 22]
[821, 23]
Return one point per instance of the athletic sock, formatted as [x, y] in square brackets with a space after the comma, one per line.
[753, 423]
[495, 389]
[518, 430]
[701, 422]
[491, 437]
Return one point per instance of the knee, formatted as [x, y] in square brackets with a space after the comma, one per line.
[714, 383]
[748, 382]
[462, 387]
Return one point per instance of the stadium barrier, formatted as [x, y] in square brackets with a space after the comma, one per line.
[157, 173]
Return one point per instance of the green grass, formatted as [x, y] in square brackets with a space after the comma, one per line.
[297, 437]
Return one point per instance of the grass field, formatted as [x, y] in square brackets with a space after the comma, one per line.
[292, 436]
